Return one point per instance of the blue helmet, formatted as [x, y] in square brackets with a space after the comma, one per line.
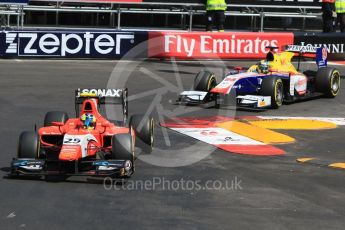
[89, 120]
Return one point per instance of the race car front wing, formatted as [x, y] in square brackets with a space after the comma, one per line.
[202, 97]
[99, 168]
[254, 101]
[194, 97]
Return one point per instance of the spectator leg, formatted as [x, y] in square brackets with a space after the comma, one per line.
[341, 19]
[327, 25]
[209, 20]
[220, 20]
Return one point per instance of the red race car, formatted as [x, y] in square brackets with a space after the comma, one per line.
[88, 145]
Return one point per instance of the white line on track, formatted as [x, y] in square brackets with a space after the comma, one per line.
[334, 63]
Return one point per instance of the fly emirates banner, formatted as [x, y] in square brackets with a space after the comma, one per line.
[202, 45]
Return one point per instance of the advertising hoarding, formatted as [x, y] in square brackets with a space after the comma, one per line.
[203, 45]
[69, 43]
[113, 44]
[334, 42]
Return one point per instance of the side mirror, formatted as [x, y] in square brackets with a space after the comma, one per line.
[238, 69]
[106, 124]
[55, 123]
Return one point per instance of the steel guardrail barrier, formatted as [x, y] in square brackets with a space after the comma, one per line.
[184, 9]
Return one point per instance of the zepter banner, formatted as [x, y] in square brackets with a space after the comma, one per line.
[68, 43]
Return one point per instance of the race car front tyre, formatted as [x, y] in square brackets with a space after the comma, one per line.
[55, 116]
[205, 81]
[273, 87]
[123, 147]
[28, 145]
[327, 81]
[144, 130]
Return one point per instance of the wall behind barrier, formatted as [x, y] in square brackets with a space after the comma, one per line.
[114, 44]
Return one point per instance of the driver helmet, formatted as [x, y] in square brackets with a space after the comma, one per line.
[89, 120]
[263, 67]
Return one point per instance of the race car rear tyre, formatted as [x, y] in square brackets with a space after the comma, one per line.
[122, 147]
[144, 130]
[28, 145]
[205, 81]
[55, 116]
[327, 81]
[273, 87]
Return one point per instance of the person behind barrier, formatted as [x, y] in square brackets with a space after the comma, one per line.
[328, 15]
[340, 9]
[215, 13]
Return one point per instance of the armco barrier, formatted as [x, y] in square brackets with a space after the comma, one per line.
[69, 43]
[114, 44]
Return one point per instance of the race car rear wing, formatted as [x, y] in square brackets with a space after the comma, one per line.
[319, 53]
[103, 96]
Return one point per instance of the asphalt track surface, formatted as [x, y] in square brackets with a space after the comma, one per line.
[271, 192]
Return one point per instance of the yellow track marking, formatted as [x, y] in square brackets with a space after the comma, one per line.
[257, 133]
[340, 165]
[337, 165]
[299, 124]
[302, 160]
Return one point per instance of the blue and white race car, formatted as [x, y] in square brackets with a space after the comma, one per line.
[269, 83]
